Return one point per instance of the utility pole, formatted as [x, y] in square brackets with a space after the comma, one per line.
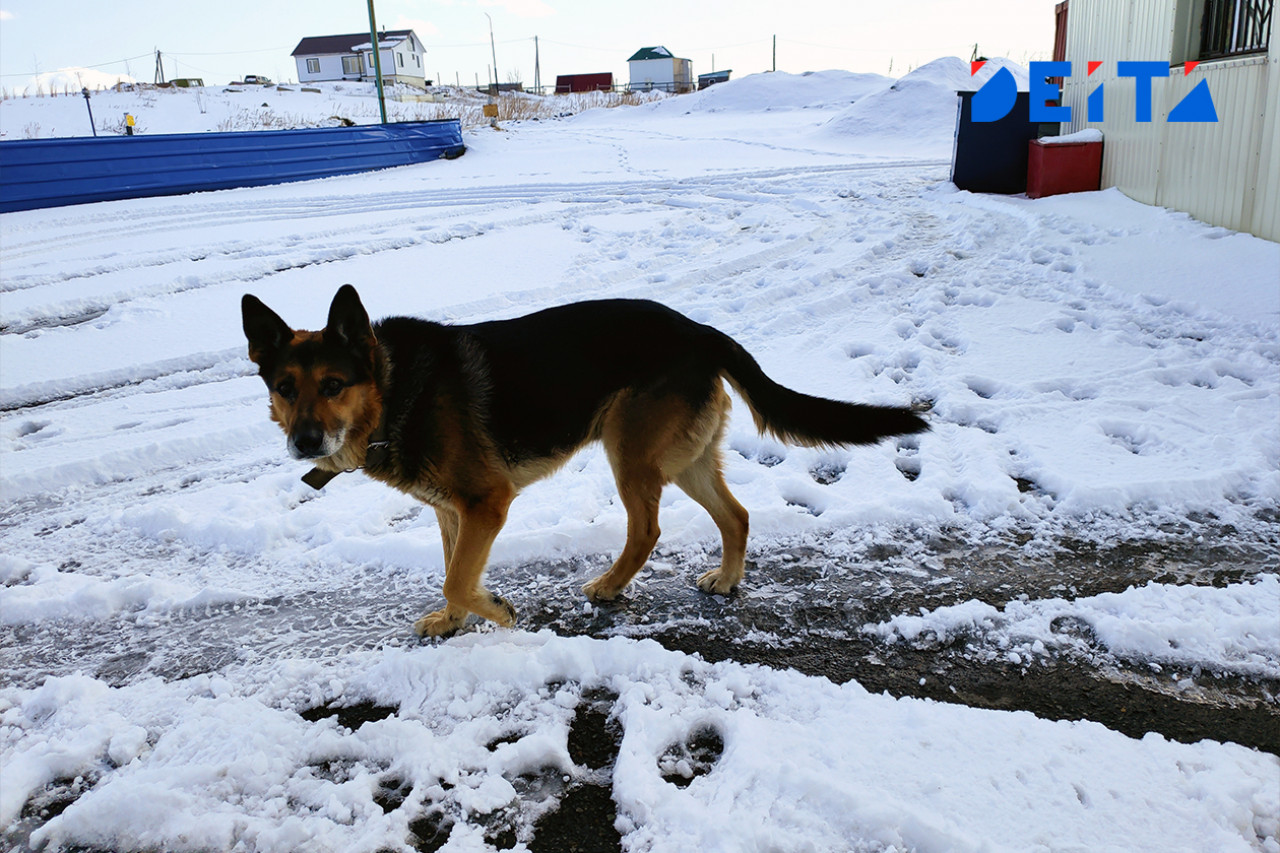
[159, 67]
[775, 53]
[494, 51]
[377, 62]
[537, 69]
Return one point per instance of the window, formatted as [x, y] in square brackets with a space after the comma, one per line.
[400, 59]
[1233, 27]
[1217, 29]
[350, 65]
[313, 66]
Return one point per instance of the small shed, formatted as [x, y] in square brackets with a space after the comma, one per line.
[658, 68]
[705, 80]
[568, 83]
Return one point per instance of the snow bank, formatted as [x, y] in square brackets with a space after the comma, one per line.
[1231, 630]
[756, 93]
[226, 760]
[73, 80]
[916, 115]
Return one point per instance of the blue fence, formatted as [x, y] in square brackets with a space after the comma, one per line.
[37, 173]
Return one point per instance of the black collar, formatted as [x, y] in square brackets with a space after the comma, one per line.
[377, 453]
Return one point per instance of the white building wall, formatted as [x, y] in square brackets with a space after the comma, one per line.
[658, 73]
[1226, 173]
[330, 69]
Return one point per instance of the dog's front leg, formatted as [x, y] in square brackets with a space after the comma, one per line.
[477, 525]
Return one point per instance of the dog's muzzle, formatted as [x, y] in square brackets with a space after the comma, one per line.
[309, 441]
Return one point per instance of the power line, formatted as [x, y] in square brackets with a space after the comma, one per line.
[99, 65]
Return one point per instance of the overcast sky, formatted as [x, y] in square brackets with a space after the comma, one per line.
[223, 40]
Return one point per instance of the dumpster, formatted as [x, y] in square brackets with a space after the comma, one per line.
[991, 156]
[1065, 164]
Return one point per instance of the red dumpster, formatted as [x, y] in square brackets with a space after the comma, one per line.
[1064, 164]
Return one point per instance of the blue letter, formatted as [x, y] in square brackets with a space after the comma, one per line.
[1042, 90]
[1142, 72]
[996, 97]
[1096, 103]
[1196, 106]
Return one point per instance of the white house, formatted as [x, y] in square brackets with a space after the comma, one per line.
[657, 68]
[350, 57]
[1225, 172]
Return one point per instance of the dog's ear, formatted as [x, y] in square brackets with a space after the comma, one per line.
[263, 327]
[348, 324]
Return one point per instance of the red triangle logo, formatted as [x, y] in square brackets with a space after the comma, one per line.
[1187, 69]
[1093, 66]
[976, 66]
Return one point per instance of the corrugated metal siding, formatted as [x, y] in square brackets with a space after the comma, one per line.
[53, 172]
[1266, 204]
[1226, 173]
[1210, 170]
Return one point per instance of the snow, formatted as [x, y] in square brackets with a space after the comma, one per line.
[212, 761]
[72, 81]
[1232, 630]
[1089, 134]
[1096, 368]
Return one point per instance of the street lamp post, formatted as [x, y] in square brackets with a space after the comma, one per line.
[85, 92]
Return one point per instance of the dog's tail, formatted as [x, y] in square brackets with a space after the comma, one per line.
[810, 421]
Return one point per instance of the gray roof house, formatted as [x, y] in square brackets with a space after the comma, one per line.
[350, 57]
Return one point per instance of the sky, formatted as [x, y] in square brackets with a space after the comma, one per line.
[223, 41]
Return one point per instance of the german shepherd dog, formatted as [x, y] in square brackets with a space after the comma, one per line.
[464, 417]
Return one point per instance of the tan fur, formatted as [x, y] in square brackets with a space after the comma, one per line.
[649, 441]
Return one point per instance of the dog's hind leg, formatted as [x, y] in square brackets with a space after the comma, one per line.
[650, 438]
[477, 527]
[704, 482]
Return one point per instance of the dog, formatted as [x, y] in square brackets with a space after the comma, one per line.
[464, 417]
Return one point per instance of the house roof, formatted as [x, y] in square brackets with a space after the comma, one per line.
[651, 53]
[346, 43]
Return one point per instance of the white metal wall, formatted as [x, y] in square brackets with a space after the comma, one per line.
[1226, 173]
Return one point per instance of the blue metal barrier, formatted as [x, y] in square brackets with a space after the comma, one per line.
[37, 173]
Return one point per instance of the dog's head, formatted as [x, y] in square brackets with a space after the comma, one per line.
[323, 385]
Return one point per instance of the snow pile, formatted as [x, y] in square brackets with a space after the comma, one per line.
[779, 91]
[1232, 630]
[917, 114]
[73, 80]
[483, 723]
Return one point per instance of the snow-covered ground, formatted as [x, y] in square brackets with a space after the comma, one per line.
[1096, 368]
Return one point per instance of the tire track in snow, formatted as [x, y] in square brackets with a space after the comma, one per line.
[267, 257]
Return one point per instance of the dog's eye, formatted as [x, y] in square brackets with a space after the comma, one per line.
[285, 388]
[332, 387]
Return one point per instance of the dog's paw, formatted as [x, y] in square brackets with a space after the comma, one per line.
[599, 589]
[717, 582]
[506, 613]
[438, 623]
